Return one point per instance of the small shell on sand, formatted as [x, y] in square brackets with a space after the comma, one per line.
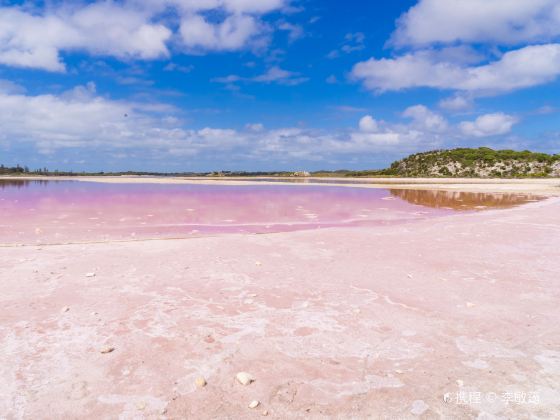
[107, 349]
[200, 382]
[244, 378]
[254, 404]
[90, 274]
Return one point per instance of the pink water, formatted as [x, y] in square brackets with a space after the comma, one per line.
[34, 212]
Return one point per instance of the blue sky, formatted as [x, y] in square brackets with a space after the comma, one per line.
[197, 85]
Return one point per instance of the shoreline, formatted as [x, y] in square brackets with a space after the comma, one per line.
[543, 186]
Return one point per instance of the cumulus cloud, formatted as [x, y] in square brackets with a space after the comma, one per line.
[478, 21]
[233, 33]
[84, 121]
[130, 29]
[367, 124]
[426, 119]
[103, 28]
[452, 45]
[521, 68]
[488, 125]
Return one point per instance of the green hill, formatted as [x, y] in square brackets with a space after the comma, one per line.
[480, 163]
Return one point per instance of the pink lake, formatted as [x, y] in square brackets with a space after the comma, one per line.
[50, 212]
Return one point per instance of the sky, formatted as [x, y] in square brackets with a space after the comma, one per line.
[204, 85]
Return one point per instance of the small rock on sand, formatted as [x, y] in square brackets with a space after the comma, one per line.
[265, 413]
[65, 309]
[419, 407]
[244, 378]
[107, 349]
[200, 382]
[90, 274]
[254, 404]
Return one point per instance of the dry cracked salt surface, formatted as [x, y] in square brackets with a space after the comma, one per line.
[455, 317]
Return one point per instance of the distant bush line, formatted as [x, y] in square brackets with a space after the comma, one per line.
[461, 162]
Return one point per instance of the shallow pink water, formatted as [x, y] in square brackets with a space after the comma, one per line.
[72, 211]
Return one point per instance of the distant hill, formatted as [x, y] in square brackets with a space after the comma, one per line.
[480, 163]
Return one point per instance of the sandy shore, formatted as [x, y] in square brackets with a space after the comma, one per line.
[542, 186]
[453, 318]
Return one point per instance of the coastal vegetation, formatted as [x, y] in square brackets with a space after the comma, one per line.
[481, 162]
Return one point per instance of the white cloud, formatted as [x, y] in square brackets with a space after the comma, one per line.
[233, 33]
[192, 6]
[488, 125]
[367, 124]
[425, 119]
[254, 127]
[521, 68]
[177, 67]
[83, 121]
[130, 29]
[104, 28]
[478, 21]
[349, 108]
[278, 75]
[295, 32]
[352, 42]
[240, 25]
[254, 6]
[273, 75]
[7, 86]
[364, 141]
[456, 103]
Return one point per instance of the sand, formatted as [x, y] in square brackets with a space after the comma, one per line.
[544, 186]
[455, 317]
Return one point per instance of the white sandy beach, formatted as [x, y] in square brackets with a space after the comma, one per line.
[544, 186]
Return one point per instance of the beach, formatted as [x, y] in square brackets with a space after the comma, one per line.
[452, 317]
[545, 186]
